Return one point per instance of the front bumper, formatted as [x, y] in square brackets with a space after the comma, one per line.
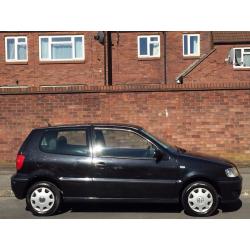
[19, 185]
[230, 189]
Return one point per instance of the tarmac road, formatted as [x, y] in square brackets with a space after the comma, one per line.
[11, 208]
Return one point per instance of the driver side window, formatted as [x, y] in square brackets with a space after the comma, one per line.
[121, 143]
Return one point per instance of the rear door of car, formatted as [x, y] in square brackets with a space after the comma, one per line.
[124, 166]
[66, 156]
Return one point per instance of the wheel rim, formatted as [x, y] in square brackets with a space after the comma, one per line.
[200, 200]
[42, 199]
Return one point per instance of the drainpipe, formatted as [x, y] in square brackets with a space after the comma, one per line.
[211, 40]
[165, 56]
[109, 54]
[104, 59]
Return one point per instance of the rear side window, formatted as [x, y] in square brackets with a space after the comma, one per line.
[66, 142]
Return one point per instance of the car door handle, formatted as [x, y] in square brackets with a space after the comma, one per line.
[100, 164]
[117, 168]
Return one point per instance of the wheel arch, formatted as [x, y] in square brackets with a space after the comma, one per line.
[37, 179]
[196, 178]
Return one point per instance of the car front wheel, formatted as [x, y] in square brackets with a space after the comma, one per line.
[200, 199]
[43, 198]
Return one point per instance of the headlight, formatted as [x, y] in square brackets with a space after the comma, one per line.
[232, 172]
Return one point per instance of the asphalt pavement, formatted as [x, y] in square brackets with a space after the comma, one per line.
[12, 208]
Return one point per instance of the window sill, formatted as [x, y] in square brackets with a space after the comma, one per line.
[191, 57]
[241, 69]
[16, 63]
[148, 58]
[62, 62]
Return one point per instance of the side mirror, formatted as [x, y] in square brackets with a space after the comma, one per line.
[158, 154]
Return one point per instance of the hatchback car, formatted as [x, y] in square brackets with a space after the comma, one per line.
[115, 162]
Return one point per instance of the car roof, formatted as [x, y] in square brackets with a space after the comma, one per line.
[110, 125]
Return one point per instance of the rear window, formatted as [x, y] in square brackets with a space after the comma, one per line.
[66, 142]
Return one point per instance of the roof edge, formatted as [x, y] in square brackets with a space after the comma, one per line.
[107, 124]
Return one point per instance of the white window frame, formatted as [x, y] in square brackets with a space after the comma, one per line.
[242, 53]
[16, 43]
[61, 36]
[188, 45]
[148, 46]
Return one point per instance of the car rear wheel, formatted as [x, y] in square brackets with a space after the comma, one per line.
[43, 198]
[200, 199]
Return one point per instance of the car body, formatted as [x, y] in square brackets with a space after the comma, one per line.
[118, 162]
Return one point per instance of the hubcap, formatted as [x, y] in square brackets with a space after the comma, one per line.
[42, 199]
[200, 200]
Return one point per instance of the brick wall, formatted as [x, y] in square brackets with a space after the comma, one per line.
[128, 68]
[176, 63]
[215, 69]
[215, 122]
[35, 73]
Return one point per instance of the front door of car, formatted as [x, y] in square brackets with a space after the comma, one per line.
[125, 166]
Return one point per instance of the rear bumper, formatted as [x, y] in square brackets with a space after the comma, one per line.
[230, 190]
[19, 185]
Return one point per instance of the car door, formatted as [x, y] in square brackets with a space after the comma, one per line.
[125, 166]
[66, 156]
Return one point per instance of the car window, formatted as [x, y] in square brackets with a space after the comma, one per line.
[121, 143]
[66, 142]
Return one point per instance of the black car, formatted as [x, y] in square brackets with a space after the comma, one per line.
[116, 162]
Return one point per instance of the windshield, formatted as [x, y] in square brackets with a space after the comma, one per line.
[162, 143]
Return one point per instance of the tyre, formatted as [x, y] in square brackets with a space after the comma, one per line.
[43, 198]
[200, 199]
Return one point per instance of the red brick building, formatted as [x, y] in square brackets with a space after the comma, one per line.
[190, 88]
[189, 57]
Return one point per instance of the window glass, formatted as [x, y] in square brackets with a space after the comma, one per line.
[61, 39]
[67, 142]
[237, 57]
[78, 47]
[185, 44]
[154, 38]
[44, 48]
[11, 49]
[21, 40]
[122, 143]
[246, 60]
[154, 49]
[21, 51]
[143, 46]
[61, 51]
[193, 44]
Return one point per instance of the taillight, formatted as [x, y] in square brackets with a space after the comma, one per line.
[19, 161]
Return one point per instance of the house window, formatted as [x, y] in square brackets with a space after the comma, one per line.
[191, 45]
[241, 58]
[148, 46]
[16, 49]
[61, 48]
